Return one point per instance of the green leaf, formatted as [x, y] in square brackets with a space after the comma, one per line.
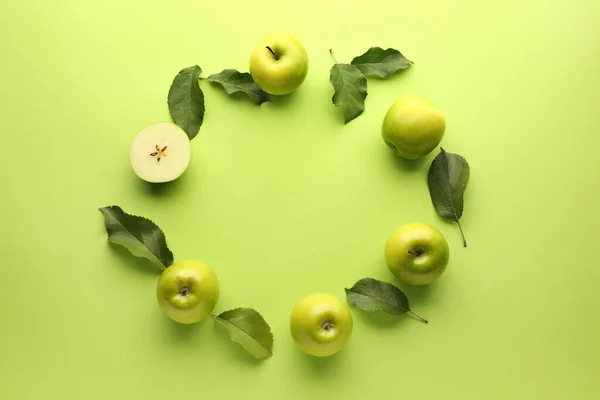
[369, 294]
[186, 101]
[380, 62]
[448, 177]
[350, 90]
[234, 81]
[248, 328]
[142, 237]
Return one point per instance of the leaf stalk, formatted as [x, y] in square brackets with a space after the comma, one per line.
[332, 56]
[462, 234]
[423, 320]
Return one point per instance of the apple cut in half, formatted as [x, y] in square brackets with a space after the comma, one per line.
[161, 152]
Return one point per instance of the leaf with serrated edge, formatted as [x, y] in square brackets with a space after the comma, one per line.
[142, 237]
[234, 81]
[447, 179]
[248, 328]
[380, 62]
[186, 101]
[350, 87]
[370, 295]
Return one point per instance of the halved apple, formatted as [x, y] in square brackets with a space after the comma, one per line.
[161, 152]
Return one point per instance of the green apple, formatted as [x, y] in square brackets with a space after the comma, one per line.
[321, 324]
[160, 152]
[417, 254]
[279, 64]
[412, 127]
[187, 291]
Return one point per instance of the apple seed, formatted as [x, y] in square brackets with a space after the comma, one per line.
[159, 153]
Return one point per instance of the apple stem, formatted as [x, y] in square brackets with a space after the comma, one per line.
[332, 56]
[272, 52]
[462, 234]
[423, 320]
[414, 253]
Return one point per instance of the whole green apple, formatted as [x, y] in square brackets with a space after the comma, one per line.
[279, 64]
[417, 254]
[412, 127]
[188, 291]
[321, 324]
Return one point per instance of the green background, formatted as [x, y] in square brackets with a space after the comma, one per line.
[283, 200]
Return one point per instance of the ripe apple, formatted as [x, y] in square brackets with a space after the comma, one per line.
[412, 127]
[321, 324]
[417, 254]
[160, 152]
[187, 291]
[279, 64]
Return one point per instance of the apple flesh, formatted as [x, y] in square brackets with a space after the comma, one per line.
[321, 324]
[412, 127]
[188, 291]
[417, 254]
[160, 152]
[279, 64]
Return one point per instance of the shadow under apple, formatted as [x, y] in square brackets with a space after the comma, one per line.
[165, 189]
[286, 100]
[323, 368]
[420, 164]
[176, 332]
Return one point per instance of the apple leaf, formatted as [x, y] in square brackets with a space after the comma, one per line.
[380, 62]
[186, 101]
[448, 177]
[350, 90]
[142, 237]
[369, 294]
[248, 328]
[234, 81]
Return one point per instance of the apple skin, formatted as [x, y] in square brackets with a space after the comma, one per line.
[429, 257]
[283, 75]
[412, 127]
[187, 291]
[321, 324]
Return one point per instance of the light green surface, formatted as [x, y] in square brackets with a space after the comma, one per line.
[284, 200]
